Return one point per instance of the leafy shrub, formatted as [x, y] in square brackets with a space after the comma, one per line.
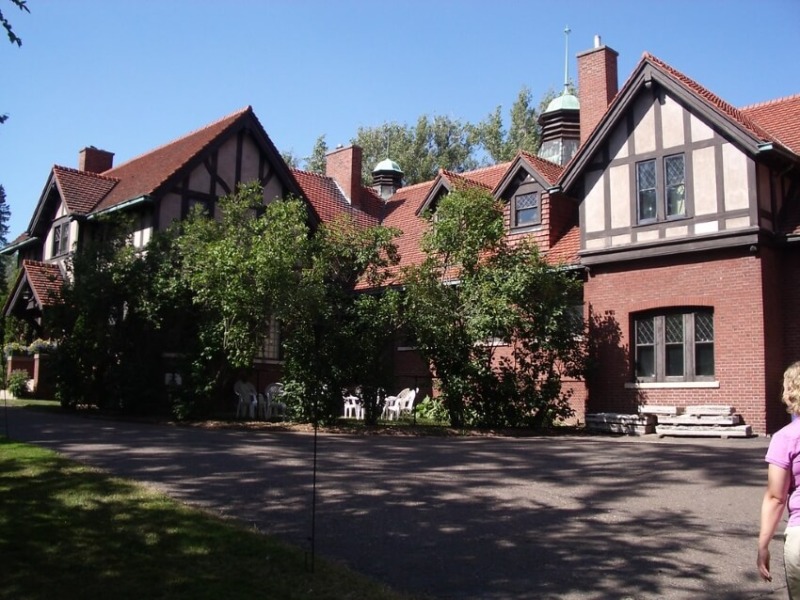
[432, 409]
[18, 383]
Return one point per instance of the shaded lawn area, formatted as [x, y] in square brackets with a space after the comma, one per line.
[69, 531]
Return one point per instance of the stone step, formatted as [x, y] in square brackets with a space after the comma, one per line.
[724, 432]
[700, 420]
[651, 409]
[709, 409]
[626, 428]
[620, 418]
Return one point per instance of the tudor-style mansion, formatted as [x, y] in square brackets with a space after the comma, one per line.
[680, 212]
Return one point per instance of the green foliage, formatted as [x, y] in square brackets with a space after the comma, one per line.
[431, 410]
[496, 321]
[316, 162]
[18, 383]
[108, 328]
[337, 337]
[523, 132]
[433, 143]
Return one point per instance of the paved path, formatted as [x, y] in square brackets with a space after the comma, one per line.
[467, 518]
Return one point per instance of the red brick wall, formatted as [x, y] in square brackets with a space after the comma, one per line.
[597, 85]
[730, 282]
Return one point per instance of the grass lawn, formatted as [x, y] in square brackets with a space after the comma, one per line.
[69, 531]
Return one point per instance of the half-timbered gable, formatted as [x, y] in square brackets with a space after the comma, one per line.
[152, 191]
[672, 169]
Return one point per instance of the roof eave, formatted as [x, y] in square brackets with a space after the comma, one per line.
[11, 248]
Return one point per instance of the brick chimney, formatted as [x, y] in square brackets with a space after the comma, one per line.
[343, 165]
[94, 160]
[597, 84]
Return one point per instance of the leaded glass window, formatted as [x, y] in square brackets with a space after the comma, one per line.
[675, 181]
[646, 190]
[526, 210]
[676, 345]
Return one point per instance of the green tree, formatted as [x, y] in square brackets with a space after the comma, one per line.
[316, 162]
[523, 132]
[239, 269]
[109, 345]
[422, 149]
[336, 337]
[495, 321]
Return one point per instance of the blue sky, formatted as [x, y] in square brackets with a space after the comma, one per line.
[130, 75]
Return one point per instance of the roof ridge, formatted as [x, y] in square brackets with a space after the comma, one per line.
[709, 97]
[232, 115]
[769, 102]
[87, 173]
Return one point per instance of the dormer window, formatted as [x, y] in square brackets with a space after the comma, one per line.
[526, 210]
[60, 239]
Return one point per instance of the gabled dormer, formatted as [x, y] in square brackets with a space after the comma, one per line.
[531, 208]
[671, 168]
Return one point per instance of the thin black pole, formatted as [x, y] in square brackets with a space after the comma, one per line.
[314, 493]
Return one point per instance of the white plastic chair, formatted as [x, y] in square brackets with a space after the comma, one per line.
[394, 406]
[353, 408]
[274, 407]
[247, 400]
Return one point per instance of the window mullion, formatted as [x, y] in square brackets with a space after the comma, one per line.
[688, 347]
[660, 348]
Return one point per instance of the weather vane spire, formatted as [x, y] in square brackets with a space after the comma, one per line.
[567, 31]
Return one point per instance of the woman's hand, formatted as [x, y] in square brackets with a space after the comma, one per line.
[763, 564]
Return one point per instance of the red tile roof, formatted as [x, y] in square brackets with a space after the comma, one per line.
[143, 175]
[82, 190]
[45, 280]
[328, 200]
[711, 99]
[565, 250]
[549, 170]
[781, 117]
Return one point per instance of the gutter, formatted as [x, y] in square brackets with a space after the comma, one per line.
[14, 247]
[122, 206]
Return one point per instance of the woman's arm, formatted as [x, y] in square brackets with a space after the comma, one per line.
[771, 511]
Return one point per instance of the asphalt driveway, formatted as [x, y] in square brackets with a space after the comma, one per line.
[466, 517]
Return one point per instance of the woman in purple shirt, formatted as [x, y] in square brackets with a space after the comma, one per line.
[783, 457]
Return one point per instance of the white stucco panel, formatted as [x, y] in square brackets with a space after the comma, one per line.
[734, 169]
[226, 163]
[700, 131]
[273, 190]
[594, 201]
[169, 210]
[251, 158]
[706, 227]
[644, 135]
[647, 236]
[596, 243]
[200, 180]
[621, 240]
[704, 181]
[672, 124]
[618, 142]
[620, 196]
[673, 232]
